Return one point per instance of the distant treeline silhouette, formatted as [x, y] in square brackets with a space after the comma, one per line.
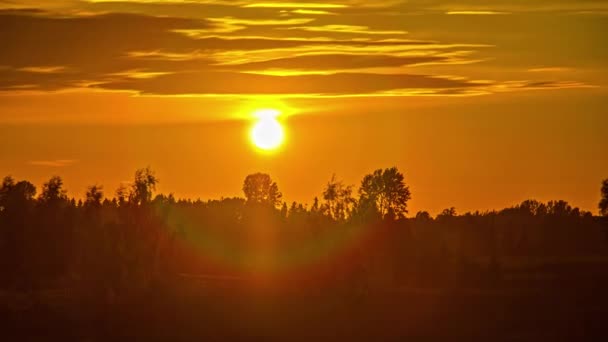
[137, 240]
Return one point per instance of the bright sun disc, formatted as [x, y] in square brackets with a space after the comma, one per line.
[267, 133]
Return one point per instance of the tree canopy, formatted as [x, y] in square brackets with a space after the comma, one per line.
[261, 189]
[338, 198]
[386, 191]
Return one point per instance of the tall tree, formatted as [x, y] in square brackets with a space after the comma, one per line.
[604, 201]
[338, 200]
[260, 188]
[94, 196]
[386, 190]
[143, 186]
[52, 191]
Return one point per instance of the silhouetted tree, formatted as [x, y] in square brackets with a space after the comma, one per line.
[17, 221]
[7, 184]
[94, 196]
[11, 192]
[604, 201]
[315, 206]
[259, 188]
[559, 208]
[122, 194]
[449, 212]
[52, 191]
[423, 216]
[143, 186]
[386, 191]
[533, 207]
[338, 200]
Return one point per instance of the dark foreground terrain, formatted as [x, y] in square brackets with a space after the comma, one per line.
[556, 312]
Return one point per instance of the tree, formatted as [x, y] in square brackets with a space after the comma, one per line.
[259, 188]
[143, 187]
[315, 206]
[23, 189]
[533, 207]
[52, 191]
[7, 185]
[604, 201]
[386, 190]
[121, 195]
[446, 213]
[423, 216]
[15, 194]
[559, 208]
[94, 196]
[338, 199]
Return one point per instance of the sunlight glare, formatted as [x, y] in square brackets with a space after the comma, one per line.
[267, 133]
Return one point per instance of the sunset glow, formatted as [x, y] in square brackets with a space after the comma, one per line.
[290, 170]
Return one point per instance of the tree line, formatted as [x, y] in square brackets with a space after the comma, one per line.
[139, 240]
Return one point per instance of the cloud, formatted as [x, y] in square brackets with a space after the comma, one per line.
[502, 6]
[229, 24]
[352, 29]
[233, 83]
[86, 42]
[200, 2]
[550, 69]
[215, 42]
[43, 69]
[312, 12]
[537, 85]
[174, 55]
[326, 85]
[476, 13]
[343, 6]
[294, 5]
[339, 62]
[52, 163]
[261, 22]
[49, 52]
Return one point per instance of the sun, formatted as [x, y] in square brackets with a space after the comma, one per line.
[267, 133]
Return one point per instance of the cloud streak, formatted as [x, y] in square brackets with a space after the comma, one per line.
[52, 163]
[476, 13]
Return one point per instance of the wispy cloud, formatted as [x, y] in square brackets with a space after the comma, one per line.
[229, 24]
[312, 12]
[476, 13]
[43, 69]
[549, 69]
[342, 61]
[294, 5]
[52, 163]
[352, 29]
[261, 22]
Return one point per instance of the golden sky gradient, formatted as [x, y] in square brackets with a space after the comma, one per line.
[481, 104]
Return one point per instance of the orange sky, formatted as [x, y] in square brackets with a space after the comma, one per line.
[481, 106]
